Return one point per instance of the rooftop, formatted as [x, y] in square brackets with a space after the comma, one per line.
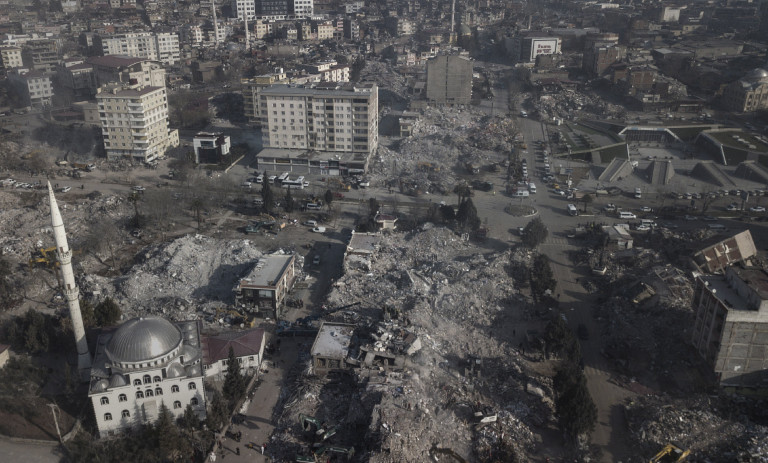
[268, 270]
[333, 340]
[115, 61]
[322, 88]
[283, 153]
[243, 343]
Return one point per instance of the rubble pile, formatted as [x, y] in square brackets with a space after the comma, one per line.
[565, 103]
[466, 391]
[170, 278]
[713, 428]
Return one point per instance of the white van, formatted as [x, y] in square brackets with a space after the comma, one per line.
[648, 222]
[521, 194]
[260, 178]
[627, 215]
[572, 210]
[532, 188]
[314, 206]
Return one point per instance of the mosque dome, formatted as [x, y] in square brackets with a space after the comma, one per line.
[175, 371]
[757, 75]
[117, 380]
[100, 386]
[143, 339]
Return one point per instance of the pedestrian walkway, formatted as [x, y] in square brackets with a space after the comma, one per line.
[258, 424]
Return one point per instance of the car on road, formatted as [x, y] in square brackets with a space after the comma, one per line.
[690, 218]
[643, 227]
[645, 209]
[65, 189]
[757, 209]
[316, 260]
[732, 207]
[319, 229]
[138, 188]
[709, 218]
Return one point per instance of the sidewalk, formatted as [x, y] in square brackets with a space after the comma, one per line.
[258, 424]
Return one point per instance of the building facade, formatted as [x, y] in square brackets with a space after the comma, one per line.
[449, 80]
[730, 330]
[35, 87]
[244, 9]
[211, 148]
[322, 117]
[11, 57]
[163, 47]
[134, 122]
[248, 347]
[748, 94]
[126, 69]
[143, 364]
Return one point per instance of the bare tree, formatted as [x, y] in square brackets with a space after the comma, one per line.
[104, 236]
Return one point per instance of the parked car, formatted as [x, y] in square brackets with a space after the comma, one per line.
[732, 207]
[65, 189]
[757, 209]
[319, 229]
[316, 260]
[138, 188]
[645, 209]
[643, 227]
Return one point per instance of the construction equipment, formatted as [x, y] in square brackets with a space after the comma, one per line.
[44, 256]
[670, 454]
[236, 318]
[338, 184]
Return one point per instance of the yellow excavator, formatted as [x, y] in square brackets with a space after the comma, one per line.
[671, 454]
[236, 317]
[45, 257]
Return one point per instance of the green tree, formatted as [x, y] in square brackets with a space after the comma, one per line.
[9, 295]
[234, 381]
[587, 199]
[189, 421]
[87, 312]
[576, 410]
[534, 233]
[467, 215]
[463, 191]
[218, 412]
[542, 278]
[448, 213]
[289, 202]
[170, 444]
[107, 312]
[328, 199]
[267, 195]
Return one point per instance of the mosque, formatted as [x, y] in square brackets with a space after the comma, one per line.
[143, 363]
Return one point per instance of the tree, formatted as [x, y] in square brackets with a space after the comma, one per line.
[467, 215]
[217, 415]
[87, 313]
[587, 199]
[328, 199]
[170, 444]
[234, 381]
[448, 213]
[373, 207]
[197, 204]
[8, 293]
[266, 194]
[463, 191]
[576, 410]
[107, 312]
[356, 69]
[289, 201]
[134, 198]
[189, 421]
[542, 278]
[534, 233]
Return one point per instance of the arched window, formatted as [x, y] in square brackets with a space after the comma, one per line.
[158, 379]
[105, 400]
[149, 393]
[137, 382]
[177, 404]
[139, 395]
[126, 414]
[193, 401]
[107, 417]
[122, 398]
[192, 386]
[174, 388]
[158, 391]
[147, 379]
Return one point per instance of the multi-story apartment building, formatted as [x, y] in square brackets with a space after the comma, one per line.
[10, 57]
[244, 9]
[449, 80]
[251, 93]
[192, 34]
[730, 330]
[35, 87]
[126, 69]
[749, 93]
[41, 55]
[262, 29]
[163, 47]
[303, 8]
[134, 121]
[77, 77]
[323, 117]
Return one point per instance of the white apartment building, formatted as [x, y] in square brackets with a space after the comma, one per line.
[134, 122]
[163, 47]
[323, 117]
[10, 57]
[263, 28]
[303, 8]
[325, 30]
[244, 9]
[147, 362]
[126, 69]
[35, 87]
[192, 34]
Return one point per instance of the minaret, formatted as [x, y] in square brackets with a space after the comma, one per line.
[215, 23]
[71, 291]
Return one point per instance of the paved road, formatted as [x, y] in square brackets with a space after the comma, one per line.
[29, 453]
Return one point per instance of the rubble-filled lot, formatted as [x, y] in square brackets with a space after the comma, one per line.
[463, 308]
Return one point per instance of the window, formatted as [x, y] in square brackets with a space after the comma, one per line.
[157, 379]
[177, 404]
[192, 386]
[105, 400]
[137, 382]
[107, 417]
[149, 393]
[174, 388]
[193, 401]
[147, 379]
[139, 395]
[122, 398]
[126, 414]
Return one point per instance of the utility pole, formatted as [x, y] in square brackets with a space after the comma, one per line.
[55, 420]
